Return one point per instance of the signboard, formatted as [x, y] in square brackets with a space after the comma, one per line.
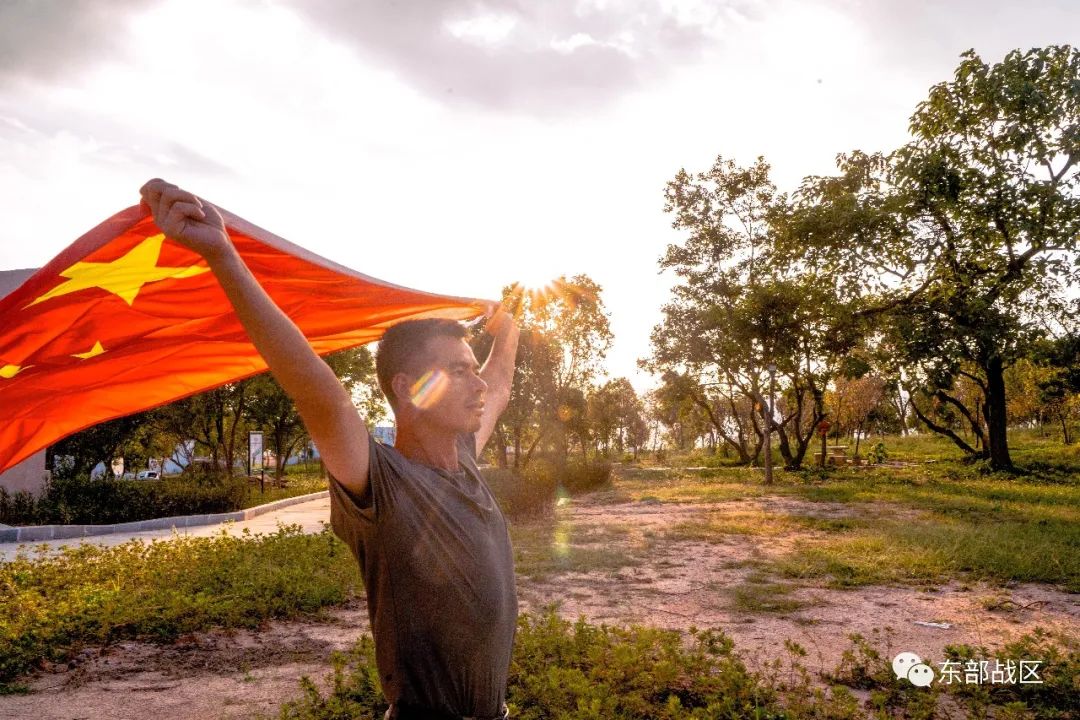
[255, 453]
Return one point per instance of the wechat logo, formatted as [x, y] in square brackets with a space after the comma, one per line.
[908, 665]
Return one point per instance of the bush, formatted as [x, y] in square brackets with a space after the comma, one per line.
[103, 502]
[91, 595]
[580, 671]
[586, 477]
[577, 670]
[523, 494]
[533, 491]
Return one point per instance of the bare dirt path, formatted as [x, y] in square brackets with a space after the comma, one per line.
[647, 567]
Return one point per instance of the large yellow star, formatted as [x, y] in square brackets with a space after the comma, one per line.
[124, 276]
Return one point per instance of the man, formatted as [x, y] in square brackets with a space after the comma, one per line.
[432, 545]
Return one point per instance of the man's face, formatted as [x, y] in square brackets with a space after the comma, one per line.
[450, 391]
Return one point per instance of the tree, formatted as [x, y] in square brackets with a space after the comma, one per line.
[855, 399]
[1060, 390]
[742, 306]
[615, 415]
[270, 409]
[212, 419]
[78, 454]
[963, 237]
[565, 336]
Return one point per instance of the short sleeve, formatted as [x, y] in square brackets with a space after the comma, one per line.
[349, 512]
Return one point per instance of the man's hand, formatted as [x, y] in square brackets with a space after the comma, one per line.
[185, 218]
[499, 320]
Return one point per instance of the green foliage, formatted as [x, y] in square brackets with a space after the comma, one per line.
[298, 482]
[565, 335]
[50, 606]
[355, 692]
[564, 670]
[534, 490]
[81, 501]
[581, 477]
[526, 493]
[577, 670]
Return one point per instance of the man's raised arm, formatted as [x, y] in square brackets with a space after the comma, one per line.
[498, 372]
[323, 403]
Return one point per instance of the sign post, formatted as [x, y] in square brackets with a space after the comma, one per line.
[255, 458]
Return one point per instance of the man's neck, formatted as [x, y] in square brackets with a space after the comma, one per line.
[432, 448]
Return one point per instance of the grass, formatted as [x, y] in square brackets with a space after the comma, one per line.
[925, 522]
[296, 483]
[563, 670]
[915, 524]
[760, 595]
[52, 605]
[551, 546]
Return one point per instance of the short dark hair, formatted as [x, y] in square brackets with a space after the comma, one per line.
[404, 344]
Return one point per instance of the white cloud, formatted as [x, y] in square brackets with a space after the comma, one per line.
[457, 149]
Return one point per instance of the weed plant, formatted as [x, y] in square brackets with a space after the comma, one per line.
[50, 606]
[580, 671]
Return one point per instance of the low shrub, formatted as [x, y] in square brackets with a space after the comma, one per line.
[582, 477]
[578, 670]
[523, 494]
[570, 671]
[50, 606]
[84, 501]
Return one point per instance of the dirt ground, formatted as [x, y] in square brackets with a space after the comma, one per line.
[677, 584]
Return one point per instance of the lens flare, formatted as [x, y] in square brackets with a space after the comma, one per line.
[429, 389]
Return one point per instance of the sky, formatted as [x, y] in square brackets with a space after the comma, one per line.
[457, 146]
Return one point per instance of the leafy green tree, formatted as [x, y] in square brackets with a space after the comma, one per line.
[615, 415]
[1060, 390]
[565, 338]
[214, 420]
[965, 236]
[271, 410]
[78, 454]
[741, 307]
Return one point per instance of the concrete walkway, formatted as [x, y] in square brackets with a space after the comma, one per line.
[310, 516]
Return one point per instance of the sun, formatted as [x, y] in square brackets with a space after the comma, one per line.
[536, 277]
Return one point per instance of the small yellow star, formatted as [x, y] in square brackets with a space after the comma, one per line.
[123, 277]
[92, 352]
[9, 371]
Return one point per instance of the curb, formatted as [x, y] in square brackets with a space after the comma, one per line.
[38, 533]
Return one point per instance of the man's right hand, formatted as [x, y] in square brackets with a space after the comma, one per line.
[185, 218]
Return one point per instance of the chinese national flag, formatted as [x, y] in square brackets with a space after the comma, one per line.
[124, 320]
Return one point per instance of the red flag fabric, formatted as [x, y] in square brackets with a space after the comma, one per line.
[124, 320]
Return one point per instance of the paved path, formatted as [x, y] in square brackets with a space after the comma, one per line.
[309, 515]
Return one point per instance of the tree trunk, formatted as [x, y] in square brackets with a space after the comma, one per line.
[942, 430]
[500, 452]
[996, 417]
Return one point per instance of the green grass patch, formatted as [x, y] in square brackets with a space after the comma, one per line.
[760, 595]
[563, 670]
[296, 483]
[548, 547]
[50, 606]
[932, 552]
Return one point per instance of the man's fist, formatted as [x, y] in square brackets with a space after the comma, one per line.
[185, 218]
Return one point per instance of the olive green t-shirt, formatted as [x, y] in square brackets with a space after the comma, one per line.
[435, 555]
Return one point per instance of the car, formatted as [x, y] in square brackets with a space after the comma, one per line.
[148, 475]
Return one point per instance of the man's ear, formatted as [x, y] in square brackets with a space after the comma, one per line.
[402, 387]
